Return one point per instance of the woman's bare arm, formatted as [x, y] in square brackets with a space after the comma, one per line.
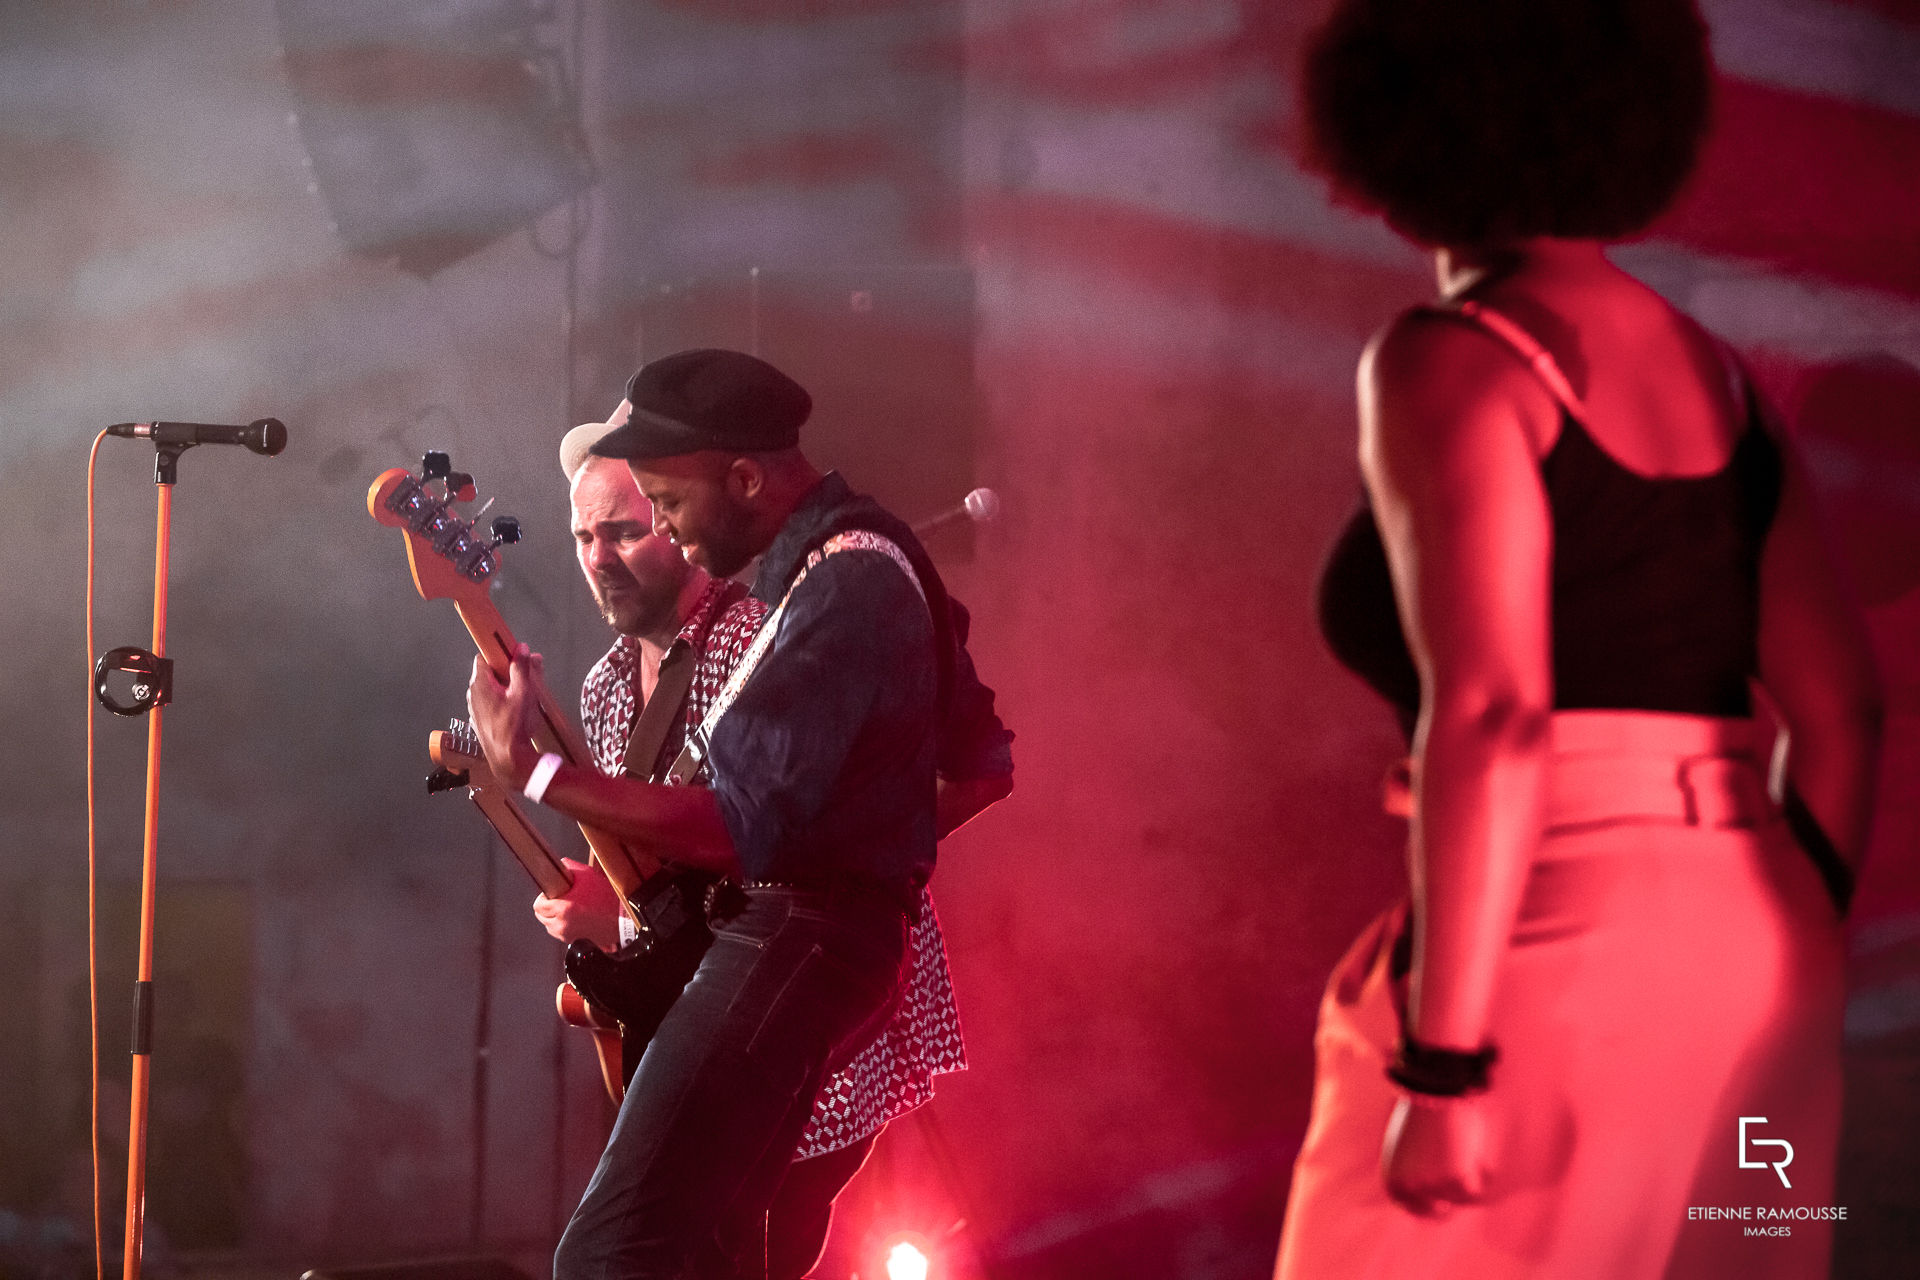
[1816, 665]
[1451, 426]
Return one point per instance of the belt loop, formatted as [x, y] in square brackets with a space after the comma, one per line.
[1731, 793]
[1689, 798]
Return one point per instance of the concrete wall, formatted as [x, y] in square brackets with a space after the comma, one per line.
[1166, 314]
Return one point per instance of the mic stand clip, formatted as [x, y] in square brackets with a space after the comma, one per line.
[152, 679]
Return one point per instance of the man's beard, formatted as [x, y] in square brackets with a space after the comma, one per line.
[640, 609]
[727, 547]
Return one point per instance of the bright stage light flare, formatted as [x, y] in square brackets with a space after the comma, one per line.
[906, 1262]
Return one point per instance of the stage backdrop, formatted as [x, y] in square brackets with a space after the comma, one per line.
[1066, 249]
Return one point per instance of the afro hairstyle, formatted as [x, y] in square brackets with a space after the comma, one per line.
[1481, 122]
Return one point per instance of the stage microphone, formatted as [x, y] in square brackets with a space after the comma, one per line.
[980, 506]
[265, 436]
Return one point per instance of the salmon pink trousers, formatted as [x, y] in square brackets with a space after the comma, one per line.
[1668, 1016]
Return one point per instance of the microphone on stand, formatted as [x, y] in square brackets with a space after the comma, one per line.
[981, 506]
[265, 436]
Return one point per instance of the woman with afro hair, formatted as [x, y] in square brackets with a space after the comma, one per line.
[1611, 1009]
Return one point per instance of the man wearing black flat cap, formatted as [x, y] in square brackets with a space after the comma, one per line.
[820, 758]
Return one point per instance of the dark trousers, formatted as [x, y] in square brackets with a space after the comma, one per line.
[802, 1211]
[792, 986]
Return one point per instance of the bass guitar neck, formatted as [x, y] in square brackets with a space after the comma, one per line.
[457, 753]
[450, 559]
[495, 640]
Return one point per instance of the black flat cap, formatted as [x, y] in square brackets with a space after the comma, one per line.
[708, 398]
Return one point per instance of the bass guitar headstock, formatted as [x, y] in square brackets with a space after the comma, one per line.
[450, 558]
[456, 750]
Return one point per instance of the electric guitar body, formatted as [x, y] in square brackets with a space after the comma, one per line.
[620, 996]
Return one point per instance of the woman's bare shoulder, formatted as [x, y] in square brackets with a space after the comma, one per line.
[1430, 378]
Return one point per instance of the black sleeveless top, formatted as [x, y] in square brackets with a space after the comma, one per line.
[1655, 580]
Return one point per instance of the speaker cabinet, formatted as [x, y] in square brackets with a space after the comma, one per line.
[430, 130]
[886, 353]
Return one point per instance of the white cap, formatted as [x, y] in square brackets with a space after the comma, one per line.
[576, 445]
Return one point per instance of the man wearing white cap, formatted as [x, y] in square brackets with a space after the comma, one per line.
[643, 1212]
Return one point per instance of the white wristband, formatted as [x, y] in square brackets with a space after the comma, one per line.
[542, 775]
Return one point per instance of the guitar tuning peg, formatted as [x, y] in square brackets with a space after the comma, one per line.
[435, 465]
[505, 529]
[460, 486]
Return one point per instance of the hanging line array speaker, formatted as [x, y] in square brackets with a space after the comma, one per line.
[431, 130]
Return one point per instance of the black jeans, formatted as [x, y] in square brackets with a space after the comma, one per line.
[802, 1212]
[793, 985]
[791, 1235]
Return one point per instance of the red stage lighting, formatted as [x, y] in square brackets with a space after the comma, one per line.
[907, 1258]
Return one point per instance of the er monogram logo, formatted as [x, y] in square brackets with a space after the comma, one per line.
[1779, 1166]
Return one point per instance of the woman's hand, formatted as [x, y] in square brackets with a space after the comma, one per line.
[1435, 1154]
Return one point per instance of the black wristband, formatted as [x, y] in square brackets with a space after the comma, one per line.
[1443, 1073]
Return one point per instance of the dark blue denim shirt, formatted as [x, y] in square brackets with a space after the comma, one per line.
[824, 765]
[973, 741]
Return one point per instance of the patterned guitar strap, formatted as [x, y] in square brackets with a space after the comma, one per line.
[693, 756]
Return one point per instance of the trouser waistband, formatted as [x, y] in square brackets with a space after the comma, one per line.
[1614, 766]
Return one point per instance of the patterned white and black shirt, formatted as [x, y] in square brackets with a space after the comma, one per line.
[894, 1074]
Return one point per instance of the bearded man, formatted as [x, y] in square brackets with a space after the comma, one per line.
[726, 1133]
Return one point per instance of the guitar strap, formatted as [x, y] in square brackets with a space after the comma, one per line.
[657, 717]
[693, 756]
[664, 913]
[654, 723]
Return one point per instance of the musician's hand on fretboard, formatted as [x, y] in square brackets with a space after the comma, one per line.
[590, 910]
[505, 715]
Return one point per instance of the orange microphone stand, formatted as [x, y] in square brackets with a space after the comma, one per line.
[143, 985]
[153, 688]
[152, 673]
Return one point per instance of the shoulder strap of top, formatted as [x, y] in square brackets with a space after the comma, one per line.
[1755, 411]
[1524, 345]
